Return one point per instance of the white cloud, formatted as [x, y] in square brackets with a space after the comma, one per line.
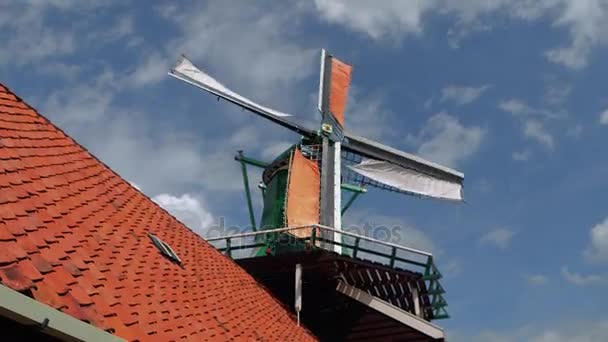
[125, 139]
[568, 331]
[533, 120]
[187, 208]
[379, 20]
[462, 95]
[261, 60]
[394, 20]
[395, 230]
[455, 35]
[367, 115]
[604, 117]
[557, 93]
[536, 279]
[122, 27]
[152, 69]
[175, 159]
[490, 336]
[536, 130]
[515, 106]
[575, 131]
[35, 42]
[133, 184]
[81, 105]
[428, 103]
[500, 237]
[521, 109]
[483, 185]
[524, 155]
[579, 279]
[64, 70]
[445, 140]
[588, 332]
[585, 19]
[574, 57]
[452, 268]
[270, 152]
[163, 159]
[29, 34]
[389, 228]
[598, 248]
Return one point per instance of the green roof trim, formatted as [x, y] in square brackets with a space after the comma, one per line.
[28, 311]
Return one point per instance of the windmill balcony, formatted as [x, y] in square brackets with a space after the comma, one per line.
[343, 273]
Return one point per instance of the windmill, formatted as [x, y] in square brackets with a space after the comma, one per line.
[303, 186]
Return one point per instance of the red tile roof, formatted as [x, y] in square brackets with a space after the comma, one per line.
[73, 235]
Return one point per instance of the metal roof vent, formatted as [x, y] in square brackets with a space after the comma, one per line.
[165, 249]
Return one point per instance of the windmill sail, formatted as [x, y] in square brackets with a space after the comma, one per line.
[333, 93]
[408, 180]
[186, 71]
[375, 164]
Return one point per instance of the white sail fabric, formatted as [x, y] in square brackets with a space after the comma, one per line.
[188, 72]
[408, 180]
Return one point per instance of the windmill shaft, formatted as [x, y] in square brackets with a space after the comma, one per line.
[331, 189]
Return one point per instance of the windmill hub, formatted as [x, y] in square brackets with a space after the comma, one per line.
[327, 128]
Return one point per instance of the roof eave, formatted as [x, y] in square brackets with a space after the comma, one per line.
[25, 310]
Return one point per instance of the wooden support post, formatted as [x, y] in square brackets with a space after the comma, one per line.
[416, 300]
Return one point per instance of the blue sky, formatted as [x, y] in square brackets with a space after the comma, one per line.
[512, 93]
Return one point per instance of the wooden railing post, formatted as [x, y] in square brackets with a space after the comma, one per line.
[228, 248]
[356, 247]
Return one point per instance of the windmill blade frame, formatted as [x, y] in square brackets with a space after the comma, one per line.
[387, 168]
[334, 83]
[186, 71]
[376, 150]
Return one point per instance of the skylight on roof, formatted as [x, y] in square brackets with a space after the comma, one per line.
[165, 249]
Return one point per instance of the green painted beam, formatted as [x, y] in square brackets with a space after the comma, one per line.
[27, 311]
[240, 157]
[350, 201]
[353, 188]
[247, 191]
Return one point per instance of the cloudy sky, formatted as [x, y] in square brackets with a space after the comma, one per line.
[511, 92]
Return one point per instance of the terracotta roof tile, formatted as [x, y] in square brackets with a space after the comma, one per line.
[73, 235]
